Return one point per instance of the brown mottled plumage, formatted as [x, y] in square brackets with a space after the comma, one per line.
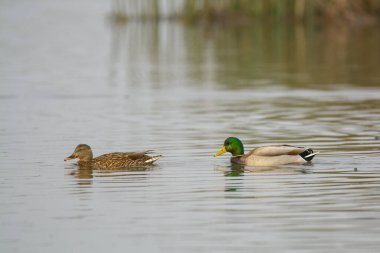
[117, 160]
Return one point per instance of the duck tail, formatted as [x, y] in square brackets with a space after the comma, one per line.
[152, 159]
[308, 154]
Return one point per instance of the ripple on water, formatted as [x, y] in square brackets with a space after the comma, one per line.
[174, 100]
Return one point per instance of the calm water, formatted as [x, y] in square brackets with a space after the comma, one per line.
[68, 76]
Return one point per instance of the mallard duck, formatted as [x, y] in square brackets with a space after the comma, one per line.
[266, 156]
[117, 160]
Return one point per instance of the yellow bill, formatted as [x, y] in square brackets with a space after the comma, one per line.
[221, 151]
[70, 157]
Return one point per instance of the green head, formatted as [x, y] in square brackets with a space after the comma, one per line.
[232, 145]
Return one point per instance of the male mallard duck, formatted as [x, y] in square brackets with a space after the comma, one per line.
[117, 160]
[266, 156]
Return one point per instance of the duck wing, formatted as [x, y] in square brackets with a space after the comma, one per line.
[139, 155]
[143, 158]
[277, 150]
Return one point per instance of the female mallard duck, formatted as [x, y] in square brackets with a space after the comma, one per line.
[266, 156]
[117, 160]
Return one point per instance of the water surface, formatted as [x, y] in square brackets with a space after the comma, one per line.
[68, 75]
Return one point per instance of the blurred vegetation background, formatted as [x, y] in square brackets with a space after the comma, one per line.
[292, 42]
[244, 11]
